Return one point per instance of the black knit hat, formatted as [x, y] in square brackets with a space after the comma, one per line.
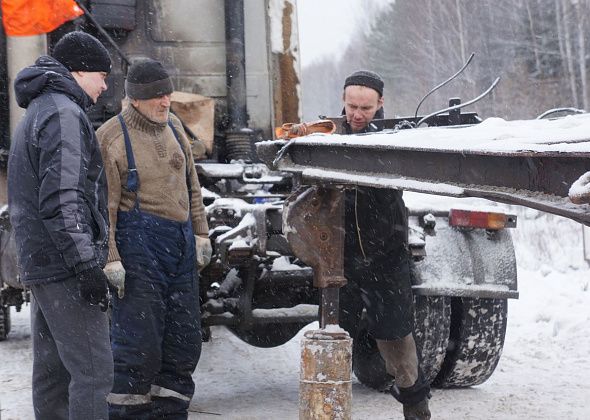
[365, 78]
[148, 79]
[79, 51]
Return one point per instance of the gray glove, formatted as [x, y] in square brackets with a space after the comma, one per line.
[204, 251]
[116, 276]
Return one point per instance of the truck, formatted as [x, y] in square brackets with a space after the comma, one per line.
[243, 58]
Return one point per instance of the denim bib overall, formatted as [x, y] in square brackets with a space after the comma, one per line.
[156, 335]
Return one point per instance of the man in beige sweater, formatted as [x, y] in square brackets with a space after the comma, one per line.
[158, 234]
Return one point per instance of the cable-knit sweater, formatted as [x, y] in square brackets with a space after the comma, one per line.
[161, 167]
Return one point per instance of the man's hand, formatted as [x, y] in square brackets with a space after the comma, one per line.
[116, 277]
[204, 251]
[92, 284]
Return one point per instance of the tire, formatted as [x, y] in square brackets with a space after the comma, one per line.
[478, 327]
[4, 322]
[7, 320]
[431, 332]
[268, 335]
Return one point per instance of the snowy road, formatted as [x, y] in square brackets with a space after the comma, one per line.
[544, 372]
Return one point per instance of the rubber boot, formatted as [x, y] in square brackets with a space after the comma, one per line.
[419, 411]
[410, 387]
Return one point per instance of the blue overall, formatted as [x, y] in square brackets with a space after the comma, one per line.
[156, 335]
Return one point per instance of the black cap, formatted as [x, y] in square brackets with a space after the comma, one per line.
[79, 51]
[365, 78]
[148, 79]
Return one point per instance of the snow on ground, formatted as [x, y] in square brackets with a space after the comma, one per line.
[544, 372]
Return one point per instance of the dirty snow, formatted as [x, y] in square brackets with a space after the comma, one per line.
[283, 264]
[544, 372]
[301, 310]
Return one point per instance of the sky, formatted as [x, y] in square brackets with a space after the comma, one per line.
[326, 27]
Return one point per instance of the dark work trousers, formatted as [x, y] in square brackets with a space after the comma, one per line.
[72, 360]
[156, 335]
[156, 327]
[376, 264]
[384, 290]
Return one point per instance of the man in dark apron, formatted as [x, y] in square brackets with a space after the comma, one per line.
[157, 224]
[376, 260]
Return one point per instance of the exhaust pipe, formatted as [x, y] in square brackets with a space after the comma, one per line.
[238, 136]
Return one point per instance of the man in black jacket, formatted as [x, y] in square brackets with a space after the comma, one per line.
[58, 208]
[376, 260]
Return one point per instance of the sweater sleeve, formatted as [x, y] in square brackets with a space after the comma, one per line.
[114, 188]
[198, 212]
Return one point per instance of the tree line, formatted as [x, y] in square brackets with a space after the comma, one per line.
[539, 48]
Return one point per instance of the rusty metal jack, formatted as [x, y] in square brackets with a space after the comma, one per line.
[313, 222]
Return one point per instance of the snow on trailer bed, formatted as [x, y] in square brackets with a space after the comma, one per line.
[493, 135]
[530, 162]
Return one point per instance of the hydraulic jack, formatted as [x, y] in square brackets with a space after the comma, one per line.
[313, 222]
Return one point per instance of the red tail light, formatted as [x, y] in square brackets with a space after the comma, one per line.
[481, 219]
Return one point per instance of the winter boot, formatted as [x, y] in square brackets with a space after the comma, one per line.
[414, 399]
[419, 411]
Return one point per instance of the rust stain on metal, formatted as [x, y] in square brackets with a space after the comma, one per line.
[314, 226]
[325, 384]
[286, 97]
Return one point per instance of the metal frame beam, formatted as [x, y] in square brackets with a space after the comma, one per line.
[538, 180]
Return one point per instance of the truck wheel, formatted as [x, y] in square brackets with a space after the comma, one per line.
[268, 335]
[5, 323]
[478, 327]
[432, 324]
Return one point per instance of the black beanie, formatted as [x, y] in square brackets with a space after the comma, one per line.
[79, 51]
[147, 79]
[365, 78]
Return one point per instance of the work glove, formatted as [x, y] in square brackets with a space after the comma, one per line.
[92, 284]
[116, 277]
[204, 251]
[292, 130]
